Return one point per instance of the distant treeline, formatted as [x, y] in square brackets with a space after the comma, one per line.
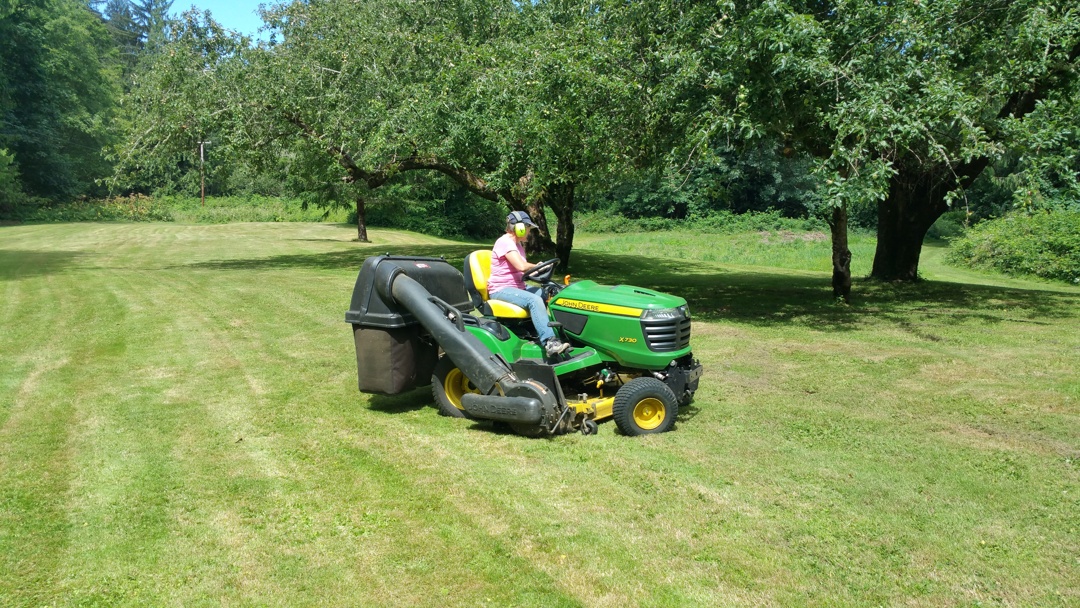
[442, 115]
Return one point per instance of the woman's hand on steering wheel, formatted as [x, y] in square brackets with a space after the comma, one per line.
[541, 273]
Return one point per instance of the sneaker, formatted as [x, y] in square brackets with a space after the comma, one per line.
[554, 347]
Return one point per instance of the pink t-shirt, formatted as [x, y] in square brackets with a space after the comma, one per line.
[502, 273]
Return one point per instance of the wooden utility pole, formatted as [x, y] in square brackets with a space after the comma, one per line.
[202, 172]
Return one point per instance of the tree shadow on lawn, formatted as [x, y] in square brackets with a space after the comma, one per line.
[761, 298]
[774, 296]
[21, 264]
[338, 260]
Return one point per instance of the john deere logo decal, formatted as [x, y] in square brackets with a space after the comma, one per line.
[625, 311]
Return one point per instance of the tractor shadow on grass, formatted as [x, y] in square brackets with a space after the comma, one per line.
[416, 399]
[768, 297]
[687, 413]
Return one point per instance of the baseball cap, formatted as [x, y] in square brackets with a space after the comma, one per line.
[520, 217]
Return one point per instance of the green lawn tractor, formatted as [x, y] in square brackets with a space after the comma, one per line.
[418, 320]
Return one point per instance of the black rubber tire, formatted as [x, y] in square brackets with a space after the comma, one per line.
[645, 406]
[448, 384]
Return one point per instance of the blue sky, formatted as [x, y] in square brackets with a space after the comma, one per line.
[238, 15]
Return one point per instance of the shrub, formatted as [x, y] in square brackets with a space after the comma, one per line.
[248, 208]
[11, 194]
[718, 222]
[453, 215]
[184, 209]
[1045, 245]
[133, 208]
[949, 226]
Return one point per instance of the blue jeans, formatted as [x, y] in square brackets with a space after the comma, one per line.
[529, 299]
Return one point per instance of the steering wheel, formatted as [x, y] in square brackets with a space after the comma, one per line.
[550, 290]
[541, 273]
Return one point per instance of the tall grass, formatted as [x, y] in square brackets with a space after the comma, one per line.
[721, 222]
[254, 208]
[181, 209]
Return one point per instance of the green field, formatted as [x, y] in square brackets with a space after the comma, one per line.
[180, 426]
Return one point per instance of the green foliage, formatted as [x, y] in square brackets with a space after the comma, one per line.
[718, 222]
[1045, 244]
[246, 180]
[10, 191]
[691, 107]
[180, 209]
[183, 94]
[901, 104]
[875, 88]
[990, 195]
[950, 225]
[512, 100]
[249, 208]
[1042, 170]
[151, 16]
[550, 98]
[120, 20]
[435, 207]
[133, 208]
[58, 93]
[756, 178]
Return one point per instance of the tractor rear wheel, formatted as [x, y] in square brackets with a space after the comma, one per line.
[448, 384]
[645, 406]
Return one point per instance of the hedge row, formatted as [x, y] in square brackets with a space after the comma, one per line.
[188, 210]
[1045, 245]
[719, 222]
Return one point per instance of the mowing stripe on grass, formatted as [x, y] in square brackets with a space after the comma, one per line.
[179, 425]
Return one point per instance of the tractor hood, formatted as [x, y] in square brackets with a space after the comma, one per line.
[639, 328]
[622, 300]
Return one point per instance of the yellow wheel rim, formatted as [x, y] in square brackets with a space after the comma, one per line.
[456, 385]
[649, 413]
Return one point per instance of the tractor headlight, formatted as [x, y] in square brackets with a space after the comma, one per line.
[666, 314]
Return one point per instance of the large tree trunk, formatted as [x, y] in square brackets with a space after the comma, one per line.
[361, 219]
[915, 201]
[561, 200]
[917, 194]
[540, 239]
[841, 255]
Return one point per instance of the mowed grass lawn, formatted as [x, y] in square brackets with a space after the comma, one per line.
[180, 426]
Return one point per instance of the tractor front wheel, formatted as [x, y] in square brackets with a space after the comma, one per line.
[645, 406]
[448, 384]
